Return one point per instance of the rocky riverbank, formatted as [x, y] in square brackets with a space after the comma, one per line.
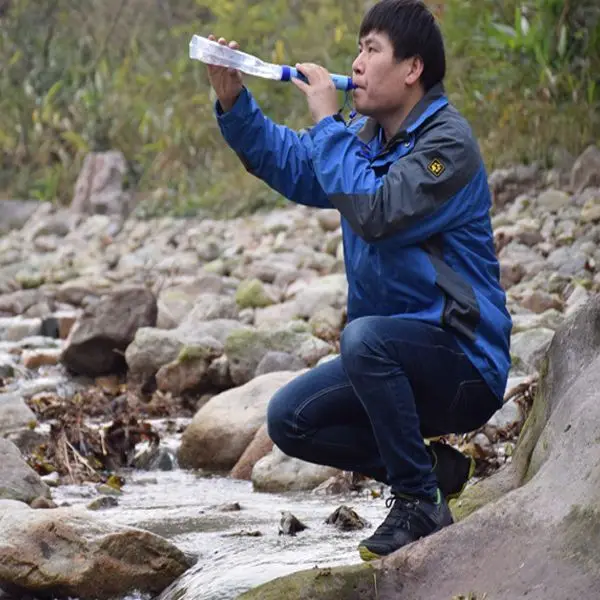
[105, 319]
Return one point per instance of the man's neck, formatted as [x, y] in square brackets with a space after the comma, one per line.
[392, 122]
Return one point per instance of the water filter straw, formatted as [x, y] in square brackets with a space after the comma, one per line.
[213, 53]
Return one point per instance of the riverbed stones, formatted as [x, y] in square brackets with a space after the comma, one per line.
[68, 552]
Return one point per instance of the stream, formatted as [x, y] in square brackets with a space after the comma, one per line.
[183, 507]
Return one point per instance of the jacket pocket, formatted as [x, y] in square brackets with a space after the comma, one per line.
[461, 309]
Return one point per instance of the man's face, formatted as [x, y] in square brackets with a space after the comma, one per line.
[381, 80]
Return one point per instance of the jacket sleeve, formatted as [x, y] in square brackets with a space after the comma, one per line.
[274, 153]
[419, 196]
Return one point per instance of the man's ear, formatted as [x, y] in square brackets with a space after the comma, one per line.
[415, 71]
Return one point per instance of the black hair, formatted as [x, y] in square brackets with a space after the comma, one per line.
[413, 31]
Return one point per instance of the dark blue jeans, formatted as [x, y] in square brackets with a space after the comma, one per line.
[396, 381]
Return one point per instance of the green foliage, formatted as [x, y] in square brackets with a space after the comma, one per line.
[84, 75]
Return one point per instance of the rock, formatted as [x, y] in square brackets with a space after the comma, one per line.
[213, 306]
[99, 187]
[290, 524]
[327, 323]
[345, 518]
[590, 212]
[277, 472]
[15, 213]
[14, 329]
[553, 200]
[529, 347]
[151, 349]
[550, 319]
[566, 262]
[18, 481]
[585, 171]
[14, 413]
[331, 290]
[507, 184]
[176, 302]
[17, 303]
[278, 361]
[231, 507]
[253, 294]
[103, 503]
[155, 458]
[511, 272]
[222, 429]
[539, 302]
[577, 299]
[189, 371]
[69, 552]
[34, 359]
[276, 315]
[259, 447]
[329, 219]
[52, 479]
[98, 340]
[41, 502]
[245, 348]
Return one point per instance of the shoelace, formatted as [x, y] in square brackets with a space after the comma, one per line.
[402, 509]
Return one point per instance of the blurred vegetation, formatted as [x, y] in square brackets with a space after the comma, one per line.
[88, 75]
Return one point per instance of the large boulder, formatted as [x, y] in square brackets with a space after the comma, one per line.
[67, 552]
[97, 342]
[18, 481]
[529, 531]
[222, 429]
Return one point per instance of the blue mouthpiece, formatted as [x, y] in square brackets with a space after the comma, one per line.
[341, 82]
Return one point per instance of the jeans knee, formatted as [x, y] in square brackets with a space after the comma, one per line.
[357, 336]
[280, 421]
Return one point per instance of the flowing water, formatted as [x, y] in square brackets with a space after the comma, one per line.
[183, 507]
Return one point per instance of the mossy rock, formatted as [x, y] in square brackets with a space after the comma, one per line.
[252, 294]
[354, 582]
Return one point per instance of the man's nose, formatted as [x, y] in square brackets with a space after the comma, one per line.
[358, 65]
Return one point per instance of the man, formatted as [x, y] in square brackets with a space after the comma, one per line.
[426, 348]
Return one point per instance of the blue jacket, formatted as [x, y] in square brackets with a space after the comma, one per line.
[417, 235]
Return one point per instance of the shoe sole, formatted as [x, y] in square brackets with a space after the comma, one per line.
[367, 555]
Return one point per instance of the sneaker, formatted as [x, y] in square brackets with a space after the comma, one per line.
[408, 520]
[452, 468]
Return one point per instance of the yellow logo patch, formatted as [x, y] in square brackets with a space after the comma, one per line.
[436, 167]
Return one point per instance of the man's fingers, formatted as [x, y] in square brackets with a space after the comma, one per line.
[233, 44]
[303, 87]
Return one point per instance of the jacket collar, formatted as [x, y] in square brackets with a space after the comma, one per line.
[430, 103]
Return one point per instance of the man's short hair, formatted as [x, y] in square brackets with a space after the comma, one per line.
[413, 31]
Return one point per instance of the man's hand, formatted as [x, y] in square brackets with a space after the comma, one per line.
[226, 82]
[320, 91]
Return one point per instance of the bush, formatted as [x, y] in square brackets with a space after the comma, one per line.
[90, 75]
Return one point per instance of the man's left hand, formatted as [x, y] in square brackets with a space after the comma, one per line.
[320, 91]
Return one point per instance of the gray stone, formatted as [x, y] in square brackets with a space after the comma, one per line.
[18, 481]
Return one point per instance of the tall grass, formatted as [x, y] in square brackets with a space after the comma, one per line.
[86, 75]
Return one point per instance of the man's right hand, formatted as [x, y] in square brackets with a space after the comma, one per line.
[226, 82]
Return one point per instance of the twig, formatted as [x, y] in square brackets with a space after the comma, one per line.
[80, 458]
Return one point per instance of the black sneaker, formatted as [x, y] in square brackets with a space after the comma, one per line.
[408, 520]
[452, 468]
